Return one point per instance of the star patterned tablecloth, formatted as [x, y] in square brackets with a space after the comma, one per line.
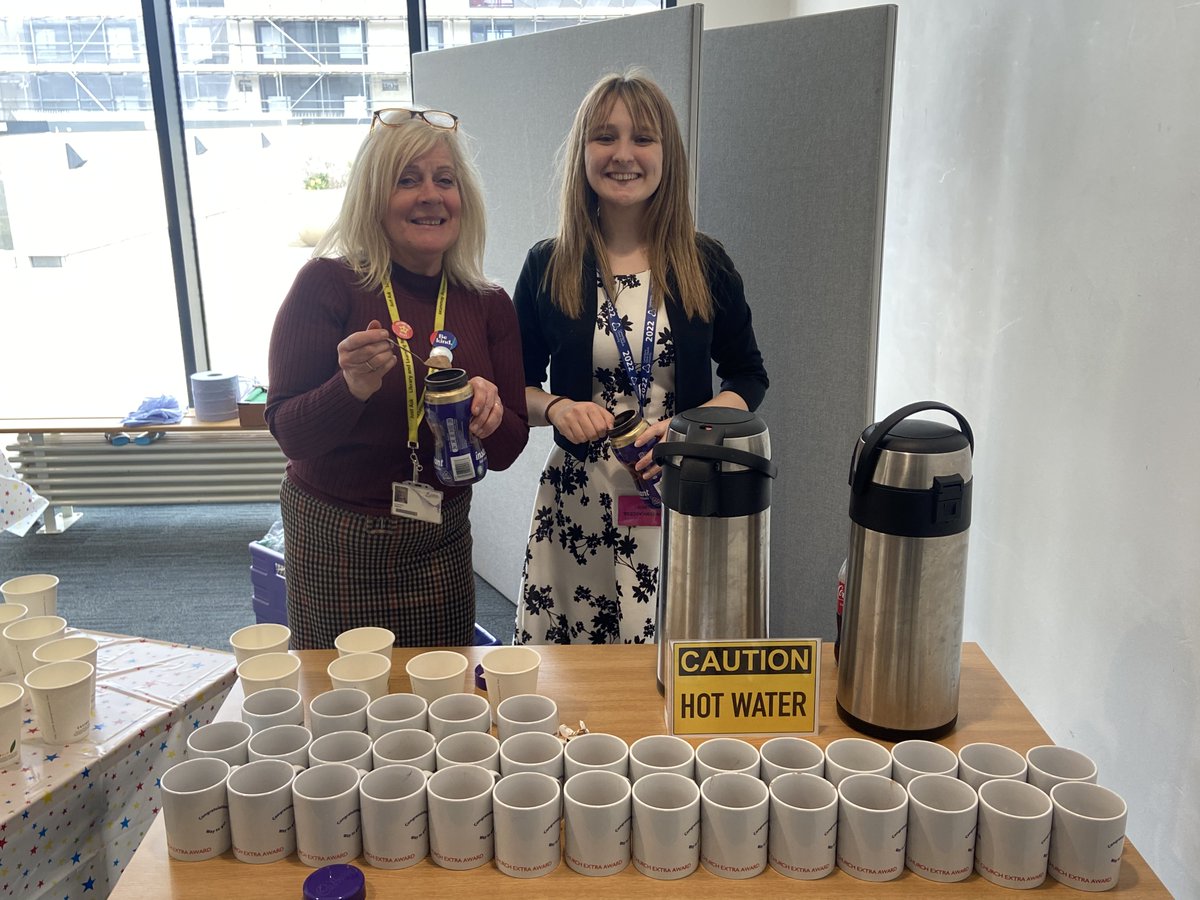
[72, 816]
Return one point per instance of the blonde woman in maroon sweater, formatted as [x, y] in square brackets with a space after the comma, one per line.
[372, 536]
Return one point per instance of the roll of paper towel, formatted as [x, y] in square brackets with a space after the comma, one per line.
[216, 396]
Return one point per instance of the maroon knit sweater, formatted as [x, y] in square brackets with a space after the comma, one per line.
[347, 452]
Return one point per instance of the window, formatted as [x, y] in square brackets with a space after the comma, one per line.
[491, 30]
[433, 35]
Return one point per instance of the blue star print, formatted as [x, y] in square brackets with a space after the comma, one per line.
[85, 773]
[89, 884]
[125, 822]
[51, 757]
[75, 858]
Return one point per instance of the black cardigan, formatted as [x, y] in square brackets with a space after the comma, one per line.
[548, 336]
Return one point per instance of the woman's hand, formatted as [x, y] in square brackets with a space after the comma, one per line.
[487, 412]
[364, 358]
[580, 422]
[646, 467]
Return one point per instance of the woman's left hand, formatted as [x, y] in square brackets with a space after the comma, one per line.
[646, 467]
[487, 412]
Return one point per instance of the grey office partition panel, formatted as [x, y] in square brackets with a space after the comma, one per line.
[516, 98]
[793, 153]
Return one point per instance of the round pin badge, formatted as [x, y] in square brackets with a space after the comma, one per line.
[402, 330]
[443, 339]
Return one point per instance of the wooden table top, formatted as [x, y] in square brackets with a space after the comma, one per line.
[612, 689]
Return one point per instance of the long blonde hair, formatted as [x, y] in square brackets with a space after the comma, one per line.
[668, 223]
[358, 234]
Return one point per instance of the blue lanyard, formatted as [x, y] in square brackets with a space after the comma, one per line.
[640, 377]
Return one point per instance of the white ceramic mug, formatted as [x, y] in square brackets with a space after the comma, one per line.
[405, 747]
[272, 706]
[532, 751]
[224, 740]
[597, 815]
[1012, 842]
[342, 709]
[802, 840]
[436, 673]
[1087, 836]
[366, 671]
[12, 711]
[718, 755]
[268, 670]
[872, 826]
[456, 713]
[27, 634]
[395, 817]
[666, 825]
[734, 819]
[61, 693]
[9, 613]
[656, 753]
[328, 814]
[369, 639]
[37, 593]
[856, 756]
[596, 750]
[942, 817]
[913, 758]
[287, 742]
[262, 818]
[468, 748]
[981, 762]
[395, 712]
[253, 640]
[350, 747]
[196, 808]
[526, 814]
[510, 671]
[781, 755]
[1050, 765]
[526, 712]
[461, 830]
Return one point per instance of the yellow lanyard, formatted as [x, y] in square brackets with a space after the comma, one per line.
[415, 405]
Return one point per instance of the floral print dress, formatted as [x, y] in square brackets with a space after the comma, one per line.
[587, 578]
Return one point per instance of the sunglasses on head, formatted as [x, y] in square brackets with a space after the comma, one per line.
[398, 115]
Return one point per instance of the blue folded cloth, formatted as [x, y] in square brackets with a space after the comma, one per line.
[162, 410]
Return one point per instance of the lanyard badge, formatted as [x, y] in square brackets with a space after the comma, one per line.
[641, 376]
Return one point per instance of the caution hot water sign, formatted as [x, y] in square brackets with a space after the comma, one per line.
[745, 687]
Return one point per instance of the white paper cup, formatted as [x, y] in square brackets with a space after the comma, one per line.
[78, 646]
[27, 634]
[408, 747]
[196, 809]
[1087, 837]
[461, 830]
[913, 758]
[532, 751]
[666, 825]
[455, 713]
[802, 841]
[267, 637]
[273, 706]
[526, 815]
[328, 814]
[12, 709]
[781, 755]
[597, 814]
[365, 640]
[510, 671]
[468, 748]
[436, 673]
[287, 742]
[9, 613]
[366, 671]
[396, 712]
[525, 712]
[1050, 765]
[856, 756]
[661, 753]
[734, 818]
[268, 670]
[596, 750]
[350, 747]
[718, 755]
[262, 819]
[342, 709]
[62, 700]
[981, 762]
[37, 593]
[224, 740]
[395, 817]
[872, 824]
[1013, 841]
[942, 815]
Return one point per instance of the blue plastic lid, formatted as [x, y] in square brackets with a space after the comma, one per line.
[338, 882]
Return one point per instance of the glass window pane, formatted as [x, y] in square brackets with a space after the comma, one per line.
[473, 21]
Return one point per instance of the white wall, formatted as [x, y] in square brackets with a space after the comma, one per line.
[1041, 264]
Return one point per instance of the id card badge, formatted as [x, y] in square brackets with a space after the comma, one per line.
[633, 509]
[413, 500]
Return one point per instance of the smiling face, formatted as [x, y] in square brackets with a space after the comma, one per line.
[423, 215]
[623, 161]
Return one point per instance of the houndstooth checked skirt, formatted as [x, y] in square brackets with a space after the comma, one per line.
[346, 570]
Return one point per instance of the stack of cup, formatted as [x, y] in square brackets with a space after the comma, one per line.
[37, 593]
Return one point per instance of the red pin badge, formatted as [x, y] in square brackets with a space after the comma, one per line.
[403, 330]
